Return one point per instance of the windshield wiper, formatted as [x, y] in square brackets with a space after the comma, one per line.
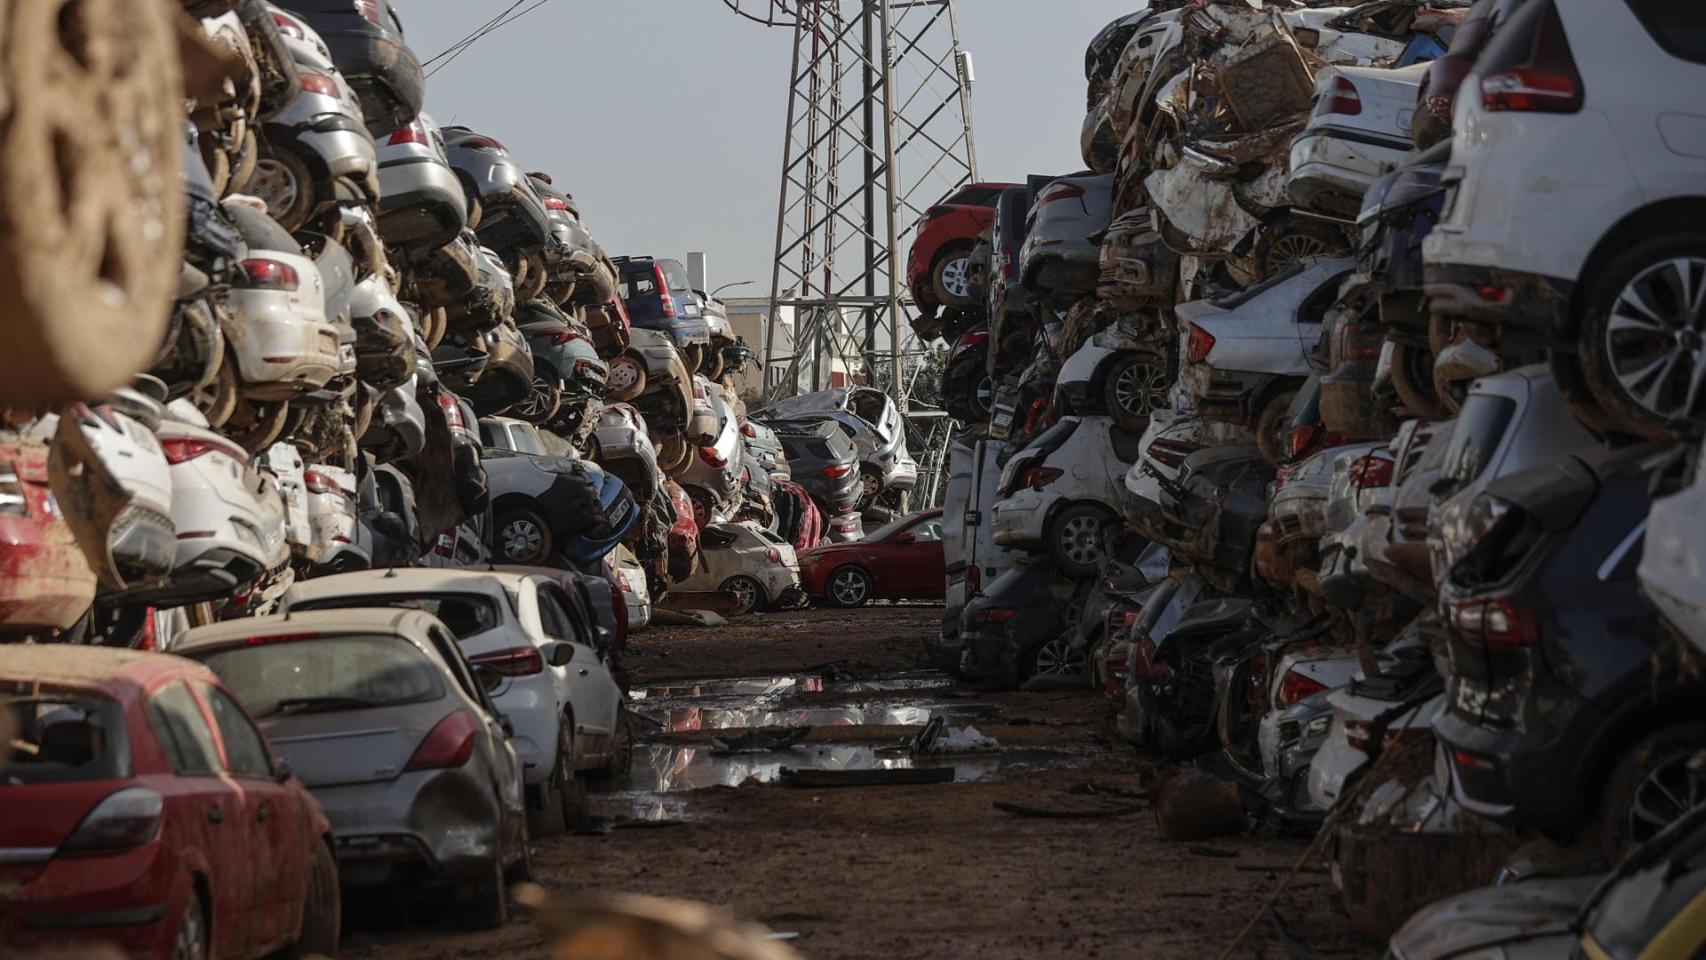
[319, 704]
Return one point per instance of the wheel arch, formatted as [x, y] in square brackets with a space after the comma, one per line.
[1676, 214]
[1606, 747]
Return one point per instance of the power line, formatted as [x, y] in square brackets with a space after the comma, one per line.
[470, 35]
[492, 26]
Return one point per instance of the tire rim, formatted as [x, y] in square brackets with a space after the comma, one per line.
[535, 404]
[622, 376]
[523, 540]
[1667, 792]
[869, 484]
[1141, 389]
[848, 587]
[983, 397]
[1653, 337]
[1059, 658]
[273, 183]
[188, 945]
[1293, 247]
[1081, 540]
[954, 277]
[745, 594]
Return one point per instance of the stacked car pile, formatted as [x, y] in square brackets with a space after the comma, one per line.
[1320, 422]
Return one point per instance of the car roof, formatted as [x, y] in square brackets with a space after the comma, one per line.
[403, 580]
[391, 620]
[66, 664]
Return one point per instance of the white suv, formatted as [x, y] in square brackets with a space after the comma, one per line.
[1575, 201]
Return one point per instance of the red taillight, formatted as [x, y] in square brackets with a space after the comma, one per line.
[1342, 99]
[1303, 439]
[511, 662]
[448, 746]
[262, 274]
[1119, 621]
[452, 411]
[1039, 477]
[1371, 471]
[566, 335]
[748, 430]
[992, 615]
[1199, 344]
[1171, 452]
[974, 580]
[836, 471]
[967, 342]
[180, 450]
[318, 482]
[1356, 734]
[413, 133]
[369, 10]
[262, 641]
[288, 26]
[1295, 686]
[1547, 83]
[774, 555]
[319, 83]
[482, 143]
[712, 458]
[1501, 621]
[556, 203]
[664, 296]
[1471, 761]
[1059, 191]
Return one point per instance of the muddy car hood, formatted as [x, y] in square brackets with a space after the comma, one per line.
[1491, 916]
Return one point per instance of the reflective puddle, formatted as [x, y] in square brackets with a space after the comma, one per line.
[673, 768]
[789, 685]
[678, 717]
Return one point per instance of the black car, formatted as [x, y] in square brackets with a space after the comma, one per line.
[1009, 304]
[1212, 512]
[823, 460]
[659, 296]
[1005, 632]
[968, 392]
[1565, 700]
[366, 41]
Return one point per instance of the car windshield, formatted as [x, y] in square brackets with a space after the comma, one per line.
[64, 739]
[526, 440]
[326, 674]
[466, 614]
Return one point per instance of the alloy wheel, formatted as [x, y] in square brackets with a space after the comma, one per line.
[189, 943]
[849, 587]
[273, 182]
[522, 539]
[1141, 388]
[954, 277]
[983, 396]
[745, 593]
[1654, 337]
[1081, 540]
[1665, 793]
[1294, 247]
[535, 403]
[1058, 657]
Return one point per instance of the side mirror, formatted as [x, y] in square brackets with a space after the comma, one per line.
[561, 654]
[281, 769]
[905, 538]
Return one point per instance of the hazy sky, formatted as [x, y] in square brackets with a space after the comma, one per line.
[664, 117]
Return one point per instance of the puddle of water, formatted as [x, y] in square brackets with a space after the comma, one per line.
[781, 686]
[663, 769]
[677, 717]
[631, 805]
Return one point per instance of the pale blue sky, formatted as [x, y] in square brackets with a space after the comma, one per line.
[664, 117]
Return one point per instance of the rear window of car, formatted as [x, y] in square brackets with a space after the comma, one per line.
[1480, 427]
[1679, 26]
[639, 285]
[65, 739]
[466, 614]
[327, 674]
[978, 196]
[675, 275]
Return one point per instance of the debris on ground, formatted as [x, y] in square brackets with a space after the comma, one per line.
[1041, 813]
[760, 741]
[1195, 805]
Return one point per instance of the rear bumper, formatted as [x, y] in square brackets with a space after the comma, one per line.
[1021, 518]
[1495, 295]
[124, 899]
[436, 825]
[1513, 777]
[1330, 170]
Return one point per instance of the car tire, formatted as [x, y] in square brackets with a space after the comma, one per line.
[949, 277]
[190, 941]
[322, 909]
[674, 454]
[713, 366]
[847, 587]
[979, 398]
[1271, 427]
[520, 869]
[1077, 539]
[1567, 372]
[543, 402]
[1056, 657]
[256, 426]
[702, 506]
[1290, 239]
[630, 382]
[218, 399]
[524, 537]
[693, 356]
[283, 181]
[748, 594]
[484, 901]
[1652, 774]
[870, 485]
[1413, 379]
[546, 814]
[243, 164]
[621, 756]
[1649, 269]
[1134, 387]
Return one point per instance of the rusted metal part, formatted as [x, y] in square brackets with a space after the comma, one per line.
[437, 503]
[1265, 81]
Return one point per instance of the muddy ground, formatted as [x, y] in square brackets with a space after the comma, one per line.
[921, 871]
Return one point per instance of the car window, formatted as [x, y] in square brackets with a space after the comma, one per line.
[493, 435]
[675, 276]
[1480, 426]
[526, 440]
[466, 614]
[182, 730]
[1680, 28]
[327, 673]
[246, 753]
[65, 739]
[929, 531]
[454, 659]
[552, 616]
[639, 285]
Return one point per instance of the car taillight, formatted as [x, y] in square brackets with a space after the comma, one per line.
[1371, 471]
[1009, 265]
[180, 450]
[452, 411]
[1059, 191]
[318, 83]
[1547, 82]
[974, 580]
[288, 26]
[1501, 621]
[1295, 686]
[12, 499]
[369, 10]
[1341, 99]
[556, 203]
[1040, 477]
[1356, 734]
[269, 638]
[1171, 452]
[448, 745]
[413, 133]
[664, 295]
[1199, 344]
[259, 273]
[125, 819]
[445, 546]
[836, 471]
[1303, 439]
[712, 458]
[511, 662]
[749, 431]
[774, 554]
[482, 143]
[1120, 621]
[991, 615]
[317, 482]
[566, 335]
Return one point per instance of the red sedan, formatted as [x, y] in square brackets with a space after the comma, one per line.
[899, 561]
[140, 807]
[936, 266]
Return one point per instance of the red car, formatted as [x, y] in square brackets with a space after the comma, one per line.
[683, 535]
[45, 581]
[899, 561]
[801, 523]
[936, 267]
[141, 807]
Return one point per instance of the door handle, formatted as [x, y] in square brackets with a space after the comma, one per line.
[216, 815]
[261, 812]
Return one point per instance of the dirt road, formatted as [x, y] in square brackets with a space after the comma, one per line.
[921, 871]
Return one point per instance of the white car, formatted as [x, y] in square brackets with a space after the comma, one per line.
[1061, 493]
[636, 590]
[759, 568]
[1573, 199]
[1174, 433]
[1116, 372]
[284, 463]
[217, 513]
[1358, 132]
[1346, 749]
[1673, 563]
[142, 539]
[278, 331]
[537, 648]
[333, 519]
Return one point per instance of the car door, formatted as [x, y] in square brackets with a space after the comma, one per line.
[216, 824]
[593, 696]
[272, 819]
[923, 560]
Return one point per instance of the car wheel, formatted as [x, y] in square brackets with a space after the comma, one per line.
[980, 397]
[190, 943]
[674, 453]
[1057, 658]
[520, 869]
[621, 756]
[1643, 335]
[748, 595]
[524, 537]
[322, 908]
[218, 398]
[283, 181]
[714, 364]
[1271, 433]
[542, 403]
[1292, 239]
[546, 815]
[485, 901]
[949, 277]
[870, 484]
[702, 506]
[1076, 539]
[243, 166]
[693, 356]
[626, 378]
[1135, 387]
[848, 587]
[1413, 379]
[1651, 786]
[256, 426]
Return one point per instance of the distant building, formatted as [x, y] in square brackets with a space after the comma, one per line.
[749, 316]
